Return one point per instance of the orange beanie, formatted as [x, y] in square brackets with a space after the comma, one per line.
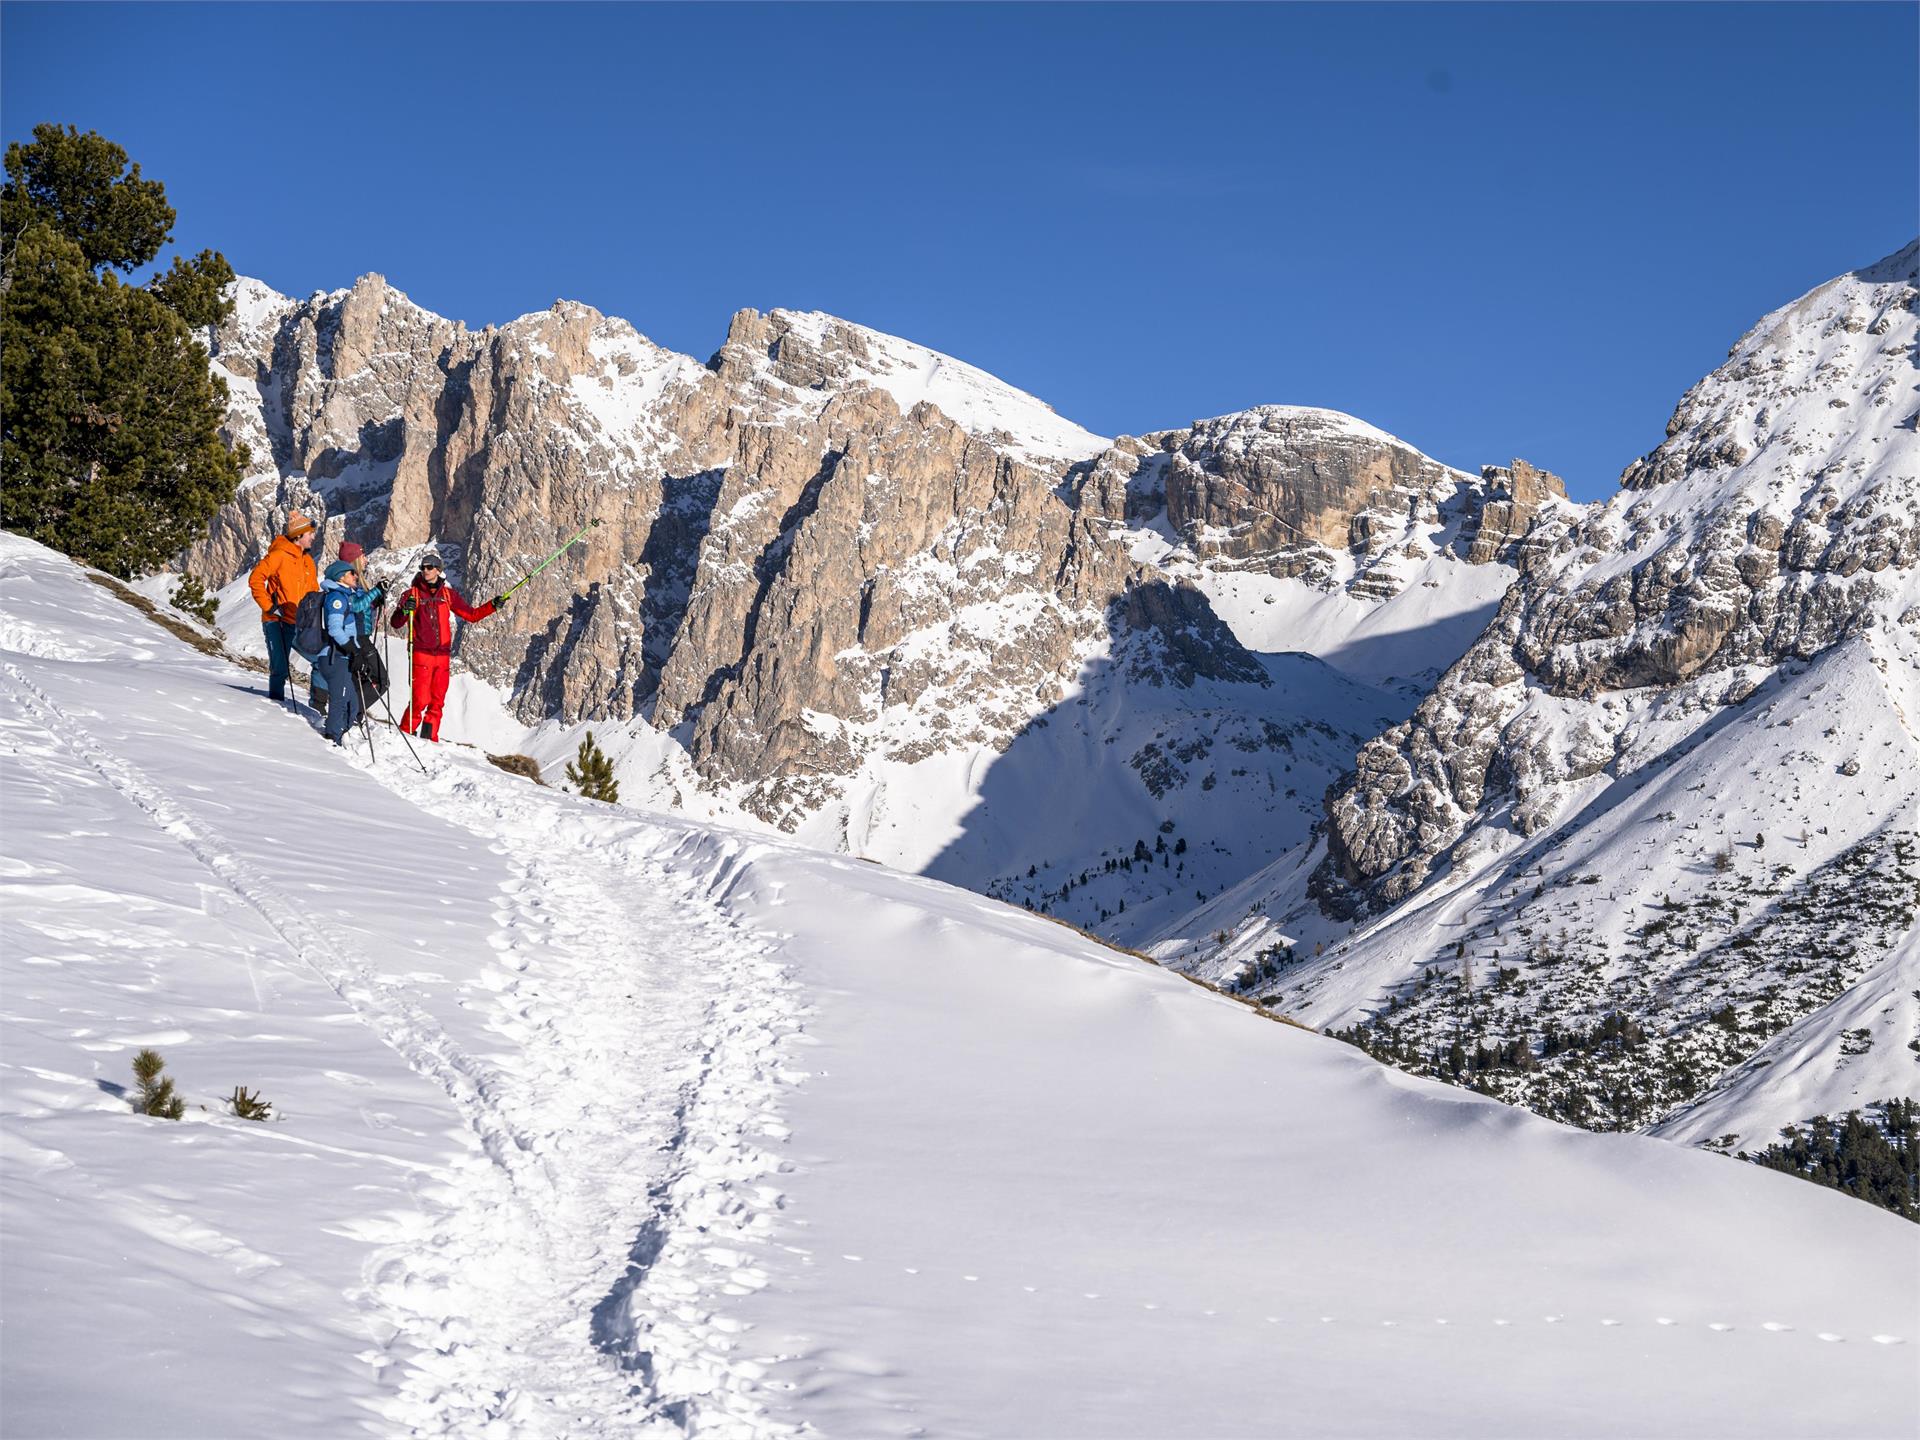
[297, 525]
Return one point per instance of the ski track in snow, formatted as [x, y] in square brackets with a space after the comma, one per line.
[557, 1281]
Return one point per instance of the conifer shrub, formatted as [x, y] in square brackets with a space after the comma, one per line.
[1873, 1156]
[248, 1105]
[154, 1093]
[591, 773]
[190, 597]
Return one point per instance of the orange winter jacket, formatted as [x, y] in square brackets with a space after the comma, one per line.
[284, 576]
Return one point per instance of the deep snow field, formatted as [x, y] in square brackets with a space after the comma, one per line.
[591, 1121]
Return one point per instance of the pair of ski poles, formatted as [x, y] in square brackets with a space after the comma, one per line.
[366, 727]
[385, 704]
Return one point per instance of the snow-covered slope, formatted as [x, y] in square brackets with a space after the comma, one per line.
[1677, 780]
[595, 1122]
[978, 402]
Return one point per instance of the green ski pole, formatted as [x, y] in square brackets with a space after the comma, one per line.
[550, 559]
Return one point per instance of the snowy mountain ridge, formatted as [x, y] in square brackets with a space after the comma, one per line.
[1677, 780]
[1111, 681]
[978, 402]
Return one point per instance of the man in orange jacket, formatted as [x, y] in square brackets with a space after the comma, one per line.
[284, 576]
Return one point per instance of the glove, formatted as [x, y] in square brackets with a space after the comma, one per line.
[405, 608]
[497, 601]
[285, 614]
[378, 595]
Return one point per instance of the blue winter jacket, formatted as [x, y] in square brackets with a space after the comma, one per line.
[339, 608]
[362, 603]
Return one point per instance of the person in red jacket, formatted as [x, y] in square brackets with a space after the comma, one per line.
[425, 613]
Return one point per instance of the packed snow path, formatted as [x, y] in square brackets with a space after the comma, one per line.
[559, 1289]
[599, 1123]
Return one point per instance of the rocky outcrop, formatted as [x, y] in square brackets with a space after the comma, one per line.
[825, 546]
[1781, 514]
[1315, 495]
[1267, 485]
[794, 541]
[1514, 495]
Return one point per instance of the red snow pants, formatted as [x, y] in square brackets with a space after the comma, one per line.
[430, 674]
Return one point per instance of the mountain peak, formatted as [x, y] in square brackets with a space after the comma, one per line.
[809, 349]
[1301, 421]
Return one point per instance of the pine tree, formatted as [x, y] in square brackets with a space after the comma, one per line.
[190, 597]
[248, 1105]
[109, 415]
[591, 773]
[156, 1095]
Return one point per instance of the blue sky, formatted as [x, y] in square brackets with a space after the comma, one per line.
[1493, 230]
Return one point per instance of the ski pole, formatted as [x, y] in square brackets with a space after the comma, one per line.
[550, 559]
[359, 693]
[387, 706]
[386, 657]
[386, 664]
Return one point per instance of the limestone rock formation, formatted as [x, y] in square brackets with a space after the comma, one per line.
[1647, 856]
[1516, 493]
[1314, 494]
[1781, 514]
[822, 549]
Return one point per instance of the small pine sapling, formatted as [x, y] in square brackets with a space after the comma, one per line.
[248, 1105]
[591, 773]
[190, 598]
[156, 1097]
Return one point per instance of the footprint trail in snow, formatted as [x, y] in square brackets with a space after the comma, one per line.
[573, 1293]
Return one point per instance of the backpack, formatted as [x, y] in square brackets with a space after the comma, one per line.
[310, 626]
[370, 674]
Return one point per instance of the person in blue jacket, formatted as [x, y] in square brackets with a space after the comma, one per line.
[340, 606]
[366, 601]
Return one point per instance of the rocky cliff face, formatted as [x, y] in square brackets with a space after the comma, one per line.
[772, 526]
[1648, 854]
[824, 548]
[1781, 514]
[1316, 495]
